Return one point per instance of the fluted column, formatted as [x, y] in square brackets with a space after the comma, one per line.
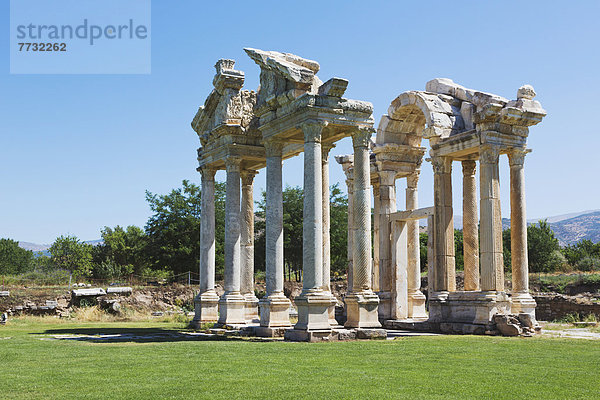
[470, 228]
[416, 298]
[274, 307]
[445, 274]
[232, 303]
[206, 303]
[387, 206]
[313, 302]
[247, 245]
[521, 298]
[362, 303]
[492, 266]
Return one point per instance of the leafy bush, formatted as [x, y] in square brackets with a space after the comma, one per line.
[589, 264]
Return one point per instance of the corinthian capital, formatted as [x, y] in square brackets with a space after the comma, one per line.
[489, 154]
[441, 165]
[361, 137]
[469, 167]
[207, 173]
[516, 156]
[248, 176]
[312, 130]
[273, 148]
[232, 164]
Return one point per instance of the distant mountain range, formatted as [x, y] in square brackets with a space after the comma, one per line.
[568, 228]
[43, 248]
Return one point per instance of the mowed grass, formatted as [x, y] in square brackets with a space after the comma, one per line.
[441, 367]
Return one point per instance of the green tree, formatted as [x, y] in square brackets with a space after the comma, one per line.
[69, 253]
[173, 230]
[543, 249]
[423, 239]
[13, 259]
[338, 232]
[293, 205]
[122, 252]
[459, 250]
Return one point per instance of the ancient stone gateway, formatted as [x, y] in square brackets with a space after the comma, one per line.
[292, 112]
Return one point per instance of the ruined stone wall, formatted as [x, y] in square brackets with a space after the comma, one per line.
[556, 306]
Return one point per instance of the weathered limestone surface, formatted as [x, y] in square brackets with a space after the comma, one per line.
[416, 298]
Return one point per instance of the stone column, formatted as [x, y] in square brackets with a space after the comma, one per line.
[362, 303]
[206, 303]
[274, 307]
[492, 265]
[313, 303]
[232, 303]
[470, 228]
[445, 274]
[247, 246]
[416, 298]
[387, 206]
[522, 302]
[325, 149]
[430, 255]
[376, 237]
[350, 185]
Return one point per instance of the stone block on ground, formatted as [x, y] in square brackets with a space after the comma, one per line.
[298, 335]
[124, 290]
[364, 333]
[88, 292]
[345, 334]
[4, 293]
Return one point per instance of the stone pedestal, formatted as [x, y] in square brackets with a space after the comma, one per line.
[275, 311]
[362, 303]
[206, 308]
[474, 308]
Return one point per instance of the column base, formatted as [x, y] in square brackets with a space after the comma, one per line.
[468, 307]
[362, 310]
[232, 309]
[275, 311]
[416, 305]
[523, 303]
[206, 308]
[251, 309]
[313, 311]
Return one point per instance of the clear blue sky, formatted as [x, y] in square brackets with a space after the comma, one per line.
[77, 152]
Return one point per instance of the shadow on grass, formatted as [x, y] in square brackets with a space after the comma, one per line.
[137, 335]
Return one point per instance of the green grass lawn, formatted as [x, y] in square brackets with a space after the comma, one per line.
[442, 367]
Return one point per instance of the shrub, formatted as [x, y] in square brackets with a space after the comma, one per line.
[589, 264]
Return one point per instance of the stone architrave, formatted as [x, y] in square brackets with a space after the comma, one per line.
[206, 302]
[247, 245]
[416, 298]
[522, 302]
[470, 229]
[362, 303]
[325, 149]
[274, 307]
[313, 303]
[387, 206]
[232, 303]
[492, 264]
